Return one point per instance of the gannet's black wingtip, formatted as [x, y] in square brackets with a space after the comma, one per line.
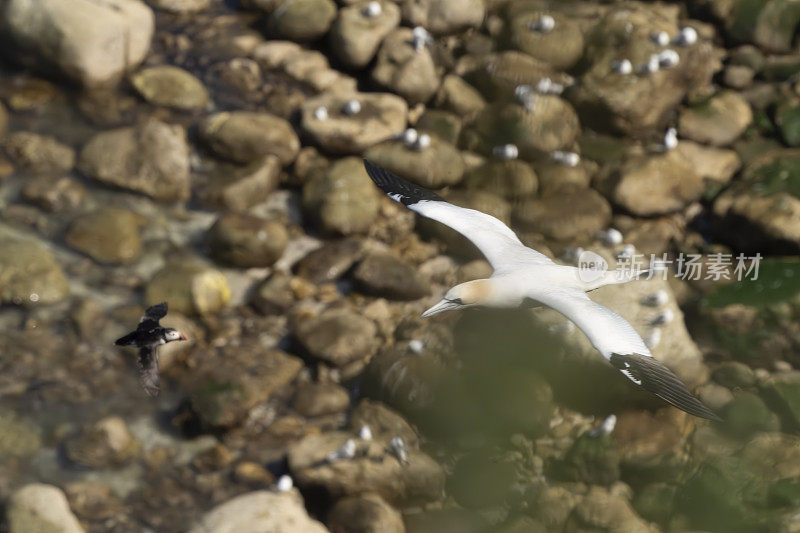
[655, 377]
[396, 187]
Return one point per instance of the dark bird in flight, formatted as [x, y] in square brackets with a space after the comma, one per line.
[148, 336]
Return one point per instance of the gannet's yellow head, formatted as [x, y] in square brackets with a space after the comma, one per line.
[464, 295]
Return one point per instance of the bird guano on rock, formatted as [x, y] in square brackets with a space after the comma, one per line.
[522, 275]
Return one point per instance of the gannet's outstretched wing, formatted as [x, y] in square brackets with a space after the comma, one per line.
[615, 338]
[495, 240]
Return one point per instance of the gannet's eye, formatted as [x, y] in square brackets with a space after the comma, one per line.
[457, 301]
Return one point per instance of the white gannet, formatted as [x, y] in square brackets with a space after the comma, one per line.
[523, 275]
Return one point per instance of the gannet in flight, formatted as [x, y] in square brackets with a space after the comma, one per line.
[522, 274]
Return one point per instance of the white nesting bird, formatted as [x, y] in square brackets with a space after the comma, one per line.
[524, 276]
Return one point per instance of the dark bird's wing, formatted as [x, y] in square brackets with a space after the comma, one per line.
[148, 370]
[658, 379]
[153, 315]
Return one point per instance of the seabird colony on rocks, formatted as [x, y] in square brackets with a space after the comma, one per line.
[522, 274]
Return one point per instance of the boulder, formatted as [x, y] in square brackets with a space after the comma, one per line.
[718, 121]
[382, 116]
[259, 512]
[343, 200]
[365, 513]
[302, 20]
[355, 36]
[39, 154]
[108, 235]
[40, 507]
[190, 288]
[247, 136]
[93, 42]
[404, 70]
[385, 275]
[169, 86]
[338, 336]
[30, 275]
[247, 241]
[444, 16]
[151, 158]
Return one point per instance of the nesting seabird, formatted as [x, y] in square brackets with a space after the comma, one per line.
[522, 274]
[148, 336]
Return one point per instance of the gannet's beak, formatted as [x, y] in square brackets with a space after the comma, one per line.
[444, 305]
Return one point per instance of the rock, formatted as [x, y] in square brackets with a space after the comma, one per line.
[302, 20]
[446, 520]
[787, 118]
[561, 47]
[330, 262]
[444, 16]
[338, 336]
[40, 507]
[227, 385]
[318, 399]
[719, 121]
[387, 276]
[640, 102]
[190, 288]
[93, 500]
[18, 437]
[3, 121]
[497, 75]
[94, 42]
[169, 86]
[382, 117]
[152, 159]
[355, 37]
[404, 70]
[715, 165]
[604, 511]
[460, 97]
[240, 188]
[181, 6]
[343, 200]
[435, 167]
[54, 194]
[305, 66]
[733, 374]
[246, 136]
[738, 76]
[108, 235]
[443, 124]
[772, 456]
[480, 480]
[569, 216]
[106, 444]
[554, 505]
[770, 25]
[748, 414]
[555, 178]
[760, 210]
[591, 460]
[29, 275]
[512, 179]
[38, 154]
[274, 295]
[374, 469]
[366, 513]
[247, 241]
[783, 396]
[655, 502]
[721, 484]
[253, 474]
[551, 125]
[382, 422]
[654, 184]
[259, 512]
[651, 446]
